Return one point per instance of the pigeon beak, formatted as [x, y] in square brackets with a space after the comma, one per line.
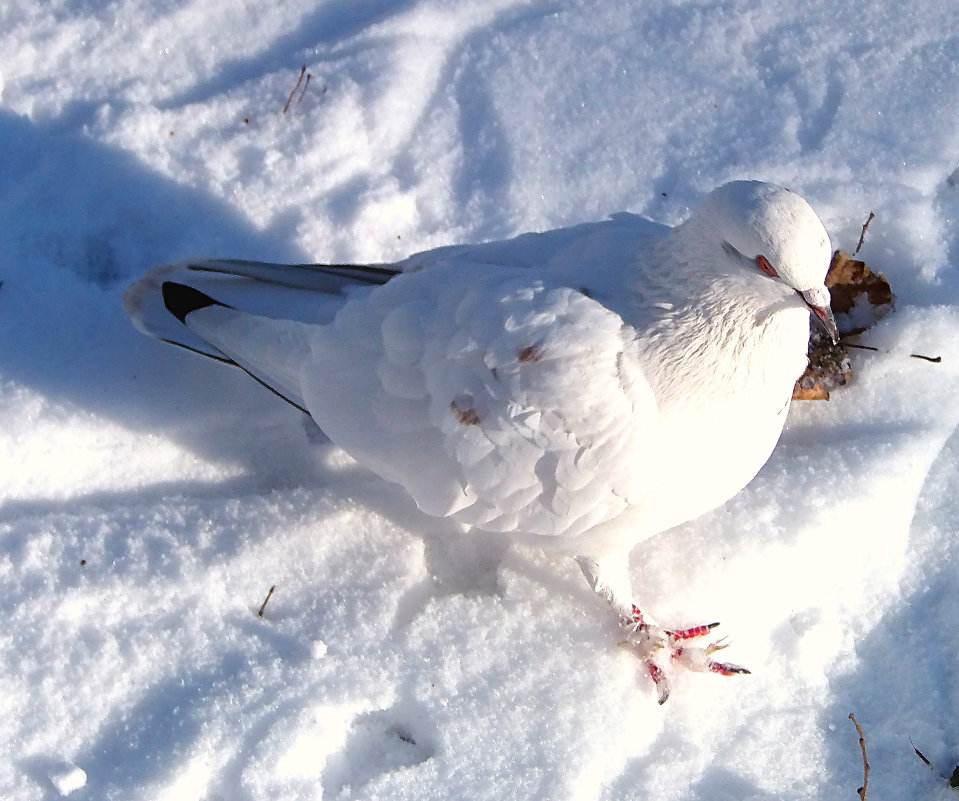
[817, 299]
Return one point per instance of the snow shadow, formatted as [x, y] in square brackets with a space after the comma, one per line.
[80, 221]
[904, 689]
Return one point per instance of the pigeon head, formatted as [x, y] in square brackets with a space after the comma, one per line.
[778, 234]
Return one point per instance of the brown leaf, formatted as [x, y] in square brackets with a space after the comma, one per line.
[849, 281]
[815, 392]
[829, 367]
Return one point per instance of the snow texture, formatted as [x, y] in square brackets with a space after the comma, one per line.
[149, 499]
[68, 779]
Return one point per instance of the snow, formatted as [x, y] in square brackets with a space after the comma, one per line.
[148, 499]
[67, 779]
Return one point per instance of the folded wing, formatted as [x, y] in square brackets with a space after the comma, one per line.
[490, 393]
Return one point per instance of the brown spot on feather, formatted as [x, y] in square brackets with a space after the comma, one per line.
[463, 412]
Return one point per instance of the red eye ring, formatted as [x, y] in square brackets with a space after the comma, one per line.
[763, 263]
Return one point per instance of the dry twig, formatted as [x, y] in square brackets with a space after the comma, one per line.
[933, 359]
[865, 762]
[298, 82]
[953, 780]
[308, 76]
[862, 236]
[919, 754]
[268, 596]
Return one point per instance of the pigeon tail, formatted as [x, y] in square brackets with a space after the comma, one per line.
[181, 299]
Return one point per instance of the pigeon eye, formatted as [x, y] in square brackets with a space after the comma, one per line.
[763, 263]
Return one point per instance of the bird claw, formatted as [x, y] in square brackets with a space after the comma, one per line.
[653, 643]
[660, 680]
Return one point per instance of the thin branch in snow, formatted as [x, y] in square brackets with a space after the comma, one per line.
[308, 76]
[862, 236]
[298, 82]
[933, 359]
[865, 761]
[268, 596]
[919, 754]
[953, 780]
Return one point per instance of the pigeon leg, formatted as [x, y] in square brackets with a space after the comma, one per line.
[659, 648]
[652, 642]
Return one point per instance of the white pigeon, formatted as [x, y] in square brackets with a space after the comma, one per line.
[581, 389]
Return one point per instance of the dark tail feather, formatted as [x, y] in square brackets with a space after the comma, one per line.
[181, 299]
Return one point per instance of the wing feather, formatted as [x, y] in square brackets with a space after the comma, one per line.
[498, 399]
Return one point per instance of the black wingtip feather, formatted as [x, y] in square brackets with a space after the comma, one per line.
[181, 299]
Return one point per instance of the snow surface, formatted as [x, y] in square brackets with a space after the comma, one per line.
[149, 499]
[67, 779]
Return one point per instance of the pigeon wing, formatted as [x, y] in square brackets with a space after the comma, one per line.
[492, 396]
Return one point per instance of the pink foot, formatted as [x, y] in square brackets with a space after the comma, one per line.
[653, 643]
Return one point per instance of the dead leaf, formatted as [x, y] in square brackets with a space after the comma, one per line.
[859, 298]
[829, 367]
[857, 293]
